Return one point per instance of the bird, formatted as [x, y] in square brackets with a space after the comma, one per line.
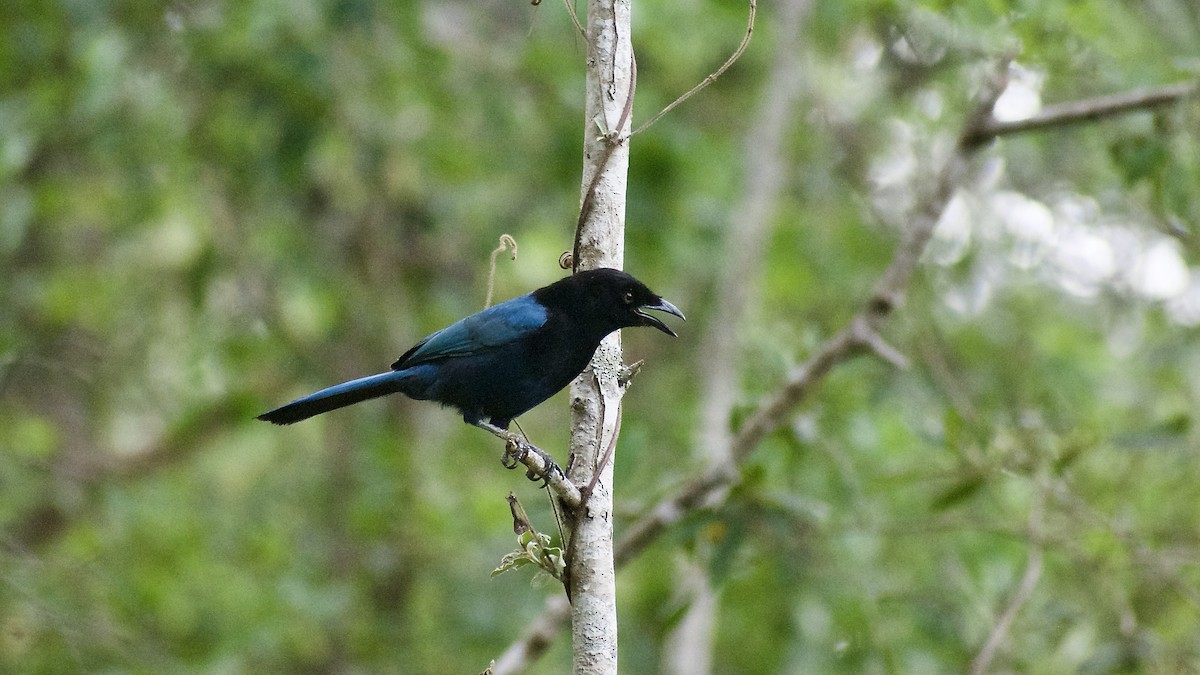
[503, 361]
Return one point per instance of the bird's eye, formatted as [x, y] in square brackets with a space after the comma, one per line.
[628, 297]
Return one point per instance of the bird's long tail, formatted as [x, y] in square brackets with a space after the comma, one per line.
[337, 396]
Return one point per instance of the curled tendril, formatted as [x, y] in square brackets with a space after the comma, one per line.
[507, 243]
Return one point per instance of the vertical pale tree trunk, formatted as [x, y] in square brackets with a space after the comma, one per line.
[596, 394]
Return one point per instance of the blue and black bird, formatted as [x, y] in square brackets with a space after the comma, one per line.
[498, 363]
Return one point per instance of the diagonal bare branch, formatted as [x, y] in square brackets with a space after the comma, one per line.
[1029, 580]
[1089, 110]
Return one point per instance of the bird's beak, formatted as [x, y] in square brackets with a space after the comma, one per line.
[660, 306]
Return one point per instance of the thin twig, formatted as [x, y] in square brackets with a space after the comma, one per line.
[1088, 110]
[885, 351]
[1029, 580]
[712, 77]
[608, 452]
[506, 242]
[613, 139]
[575, 18]
[889, 290]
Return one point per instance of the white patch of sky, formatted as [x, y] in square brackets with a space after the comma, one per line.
[1028, 222]
[1022, 98]
[1184, 309]
[1070, 244]
[1160, 272]
[930, 103]
[1082, 260]
[952, 235]
[1068, 240]
[865, 52]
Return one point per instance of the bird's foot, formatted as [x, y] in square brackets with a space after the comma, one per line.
[539, 465]
[511, 457]
[517, 450]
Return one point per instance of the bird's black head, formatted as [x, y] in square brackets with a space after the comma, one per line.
[612, 299]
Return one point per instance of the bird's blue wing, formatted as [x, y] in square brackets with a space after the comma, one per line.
[493, 327]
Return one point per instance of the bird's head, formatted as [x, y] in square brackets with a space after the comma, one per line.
[623, 300]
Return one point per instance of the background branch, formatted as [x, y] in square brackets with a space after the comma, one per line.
[1029, 579]
[537, 637]
[1087, 110]
[767, 161]
[45, 521]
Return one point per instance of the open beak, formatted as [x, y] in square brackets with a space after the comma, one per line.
[660, 306]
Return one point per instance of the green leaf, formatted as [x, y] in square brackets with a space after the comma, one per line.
[1140, 157]
[725, 553]
[961, 491]
[1167, 432]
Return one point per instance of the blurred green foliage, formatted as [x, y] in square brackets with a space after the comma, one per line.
[209, 207]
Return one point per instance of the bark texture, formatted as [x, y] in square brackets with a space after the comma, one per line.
[596, 394]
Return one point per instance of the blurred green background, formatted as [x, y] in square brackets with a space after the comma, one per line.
[208, 208]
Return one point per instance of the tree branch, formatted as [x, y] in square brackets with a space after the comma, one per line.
[43, 522]
[1029, 580]
[612, 140]
[537, 638]
[765, 174]
[1088, 110]
[767, 167]
[575, 18]
[541, 464]
[590, 576]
